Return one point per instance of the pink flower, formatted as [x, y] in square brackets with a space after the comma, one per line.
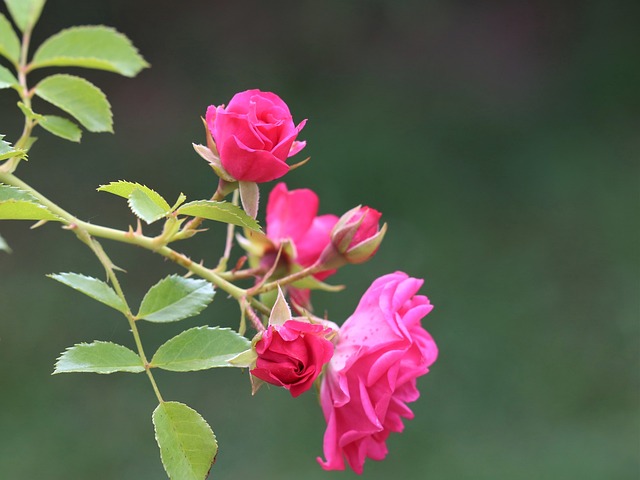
[254, 135]
[292, 216]
[292, 355]
[382, 349]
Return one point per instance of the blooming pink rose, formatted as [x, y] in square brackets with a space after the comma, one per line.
[382, 349]
[292, 355]
[292, 215]
[254, 135]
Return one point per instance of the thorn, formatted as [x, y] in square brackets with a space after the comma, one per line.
[38, 224]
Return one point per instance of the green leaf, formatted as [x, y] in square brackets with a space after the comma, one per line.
[9, 41]
[79, 98]
[7, 79]
[91, 47]
[124, 189]
[8, 192]
[145, 206]
[187, 444]
[4, 245]
[219, 211]
[7, 151]
[200, 348]
[25, 12]
[94, 288]
[61, 127]
[174, 298]
[98, 357]
[21, 210]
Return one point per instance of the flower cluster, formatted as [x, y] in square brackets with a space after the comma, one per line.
[367, 368]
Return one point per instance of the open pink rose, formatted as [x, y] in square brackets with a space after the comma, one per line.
[292, 355]
[254, 135]
[382, 349]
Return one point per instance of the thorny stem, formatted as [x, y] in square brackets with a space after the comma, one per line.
[294, 277]
[222, 264]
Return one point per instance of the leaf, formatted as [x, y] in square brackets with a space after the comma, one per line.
[8, 192]
[79, 98]
[220, 212]
[96, 46]
[24, 210]
[124, 189]
[4, 245]
[200, 348]
[25, 12]
[29, 113]
[7, 151]
[94, 288]
[145, 206]
[61, 127]
[99, 357]
[9, 41]
[187, 444]
[7, 79]
[174, 298]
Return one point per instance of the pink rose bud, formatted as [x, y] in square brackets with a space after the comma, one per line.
[355, 238]
[292, 355]
[254, 135]
[381, 350]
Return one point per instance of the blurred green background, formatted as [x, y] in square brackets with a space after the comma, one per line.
[500, 140]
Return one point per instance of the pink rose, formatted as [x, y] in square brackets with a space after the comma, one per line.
[382, 349]
[292, 215]
[292, 355]
[254, 135]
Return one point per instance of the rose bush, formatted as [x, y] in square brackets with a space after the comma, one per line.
[292, 355]
[382, 349]
[254, 135]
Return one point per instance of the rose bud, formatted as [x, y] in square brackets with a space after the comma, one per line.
[292, 351]
[355, 238]
[253, 136]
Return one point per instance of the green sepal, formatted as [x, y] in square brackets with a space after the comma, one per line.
[9, 41]
[200, 348]
[187, 444]
[80, 99]
[174, 298]
[91, 46]
[61, 127]
[98, 357]
[25, 12]
[219, 211]
[92, 287]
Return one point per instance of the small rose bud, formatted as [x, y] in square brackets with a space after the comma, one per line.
[355, 238]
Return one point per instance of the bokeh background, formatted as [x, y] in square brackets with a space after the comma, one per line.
[500, 139]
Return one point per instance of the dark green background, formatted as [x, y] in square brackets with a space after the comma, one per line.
[499, 139]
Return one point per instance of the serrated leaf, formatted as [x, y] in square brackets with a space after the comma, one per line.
[9, 41]
[23, 210]
[174, 298]
[25, 12]
[99, 357]
[92, 287]
[4, 245]
[220, 212]
[7, 151]
[124, 189]
[187, 444]
[9, 192]
[61, 127]
[80, 99]
[200, 348]
[90, 47]
[145, 207]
